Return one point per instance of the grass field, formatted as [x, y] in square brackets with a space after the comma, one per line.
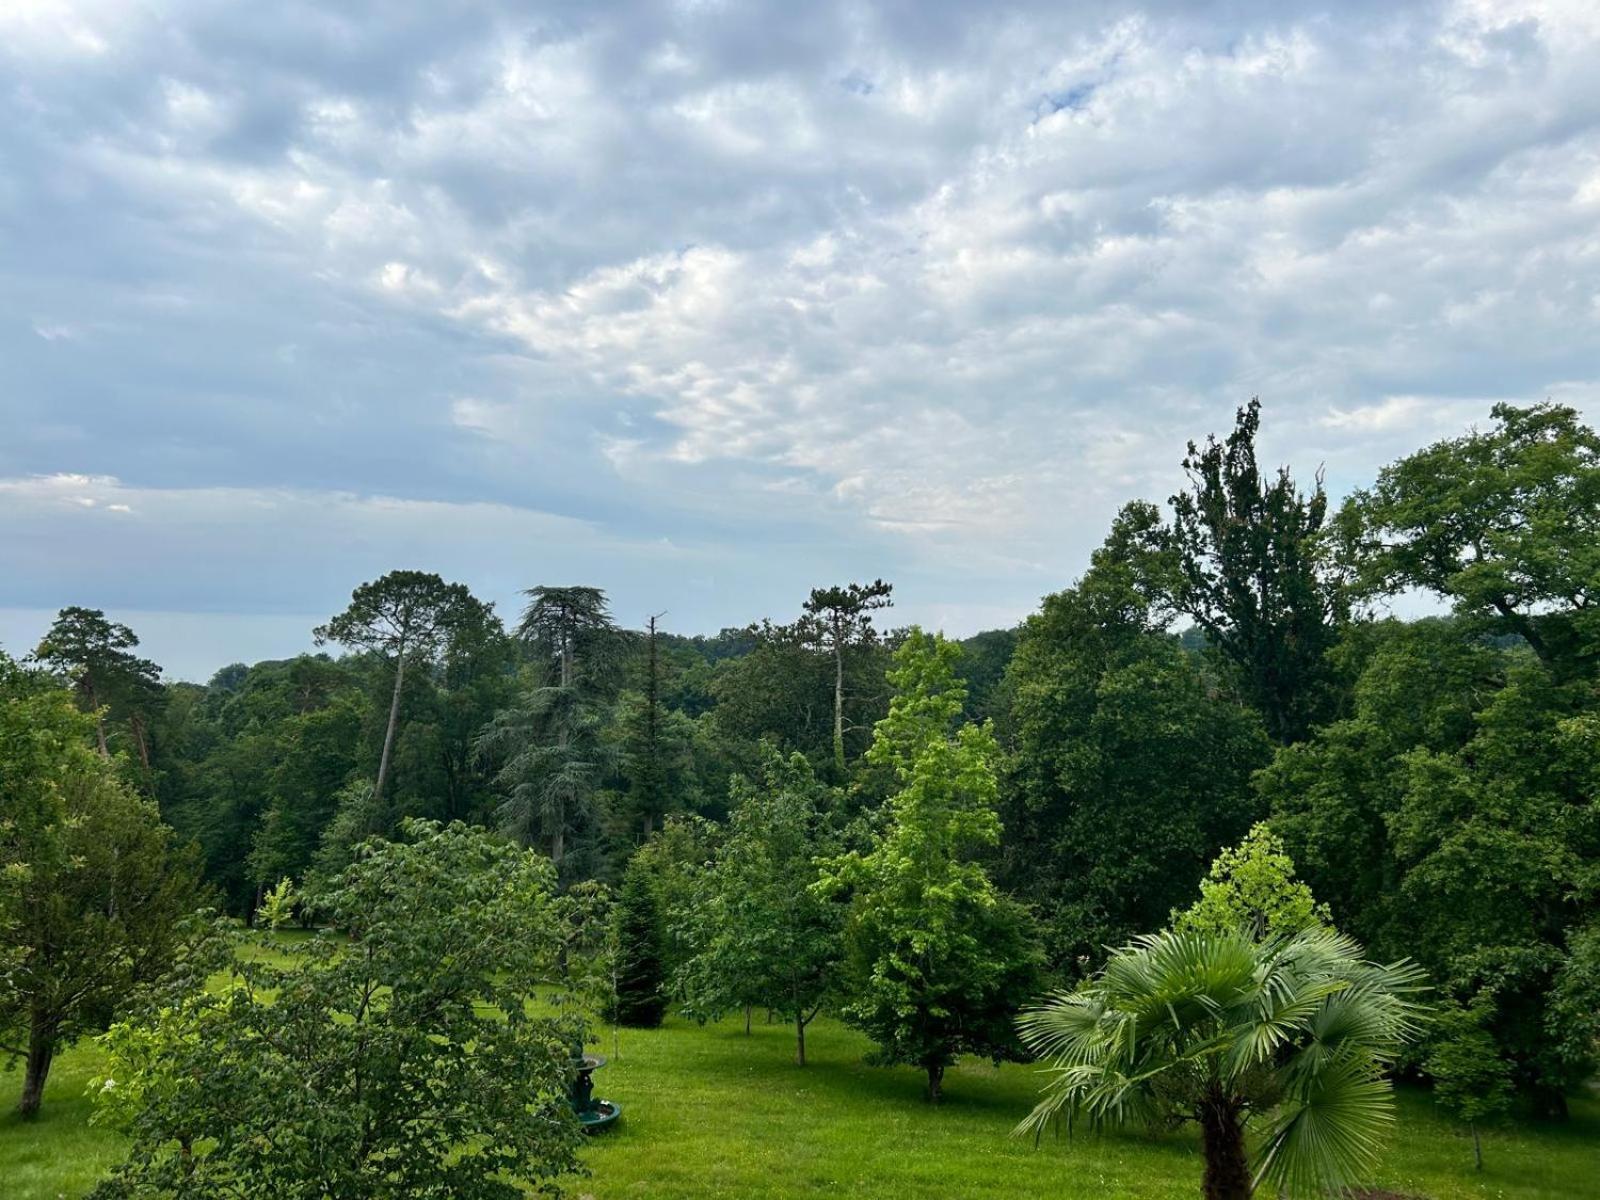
[710, 1112]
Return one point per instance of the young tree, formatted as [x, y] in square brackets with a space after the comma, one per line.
[94, 901]
[1470, 1079]
[839, 618]
[405, 615]
[640, 979]
[763, 935]
[406, 1057]
[1252, 572]
[1219, 1029]
[936, 958]
[95, 655]
[1252, 890]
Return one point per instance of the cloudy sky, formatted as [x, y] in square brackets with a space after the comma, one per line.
[708, 303]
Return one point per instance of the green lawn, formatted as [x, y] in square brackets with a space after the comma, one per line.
[709, 1112]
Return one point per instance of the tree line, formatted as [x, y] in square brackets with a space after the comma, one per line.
[926, 836]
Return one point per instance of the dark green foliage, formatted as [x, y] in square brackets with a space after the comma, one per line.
[573, 637]
[1127, 769]
[95, 901]
[407, 1061]
[550, 758]
[1454, 815]
[984, 659]
[675, 860]
[641, 992]
[123, 691]
[1250, 569]
[1504, 523]
[838, 620]
[407, 616]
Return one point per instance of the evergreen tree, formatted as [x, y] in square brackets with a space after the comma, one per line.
[641, 998]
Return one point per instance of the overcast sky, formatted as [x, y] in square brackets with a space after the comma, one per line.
[709, 303]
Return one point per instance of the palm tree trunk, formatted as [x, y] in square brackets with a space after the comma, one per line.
[1227, 1173]
[394, 720]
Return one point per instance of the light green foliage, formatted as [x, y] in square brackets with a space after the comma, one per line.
[763, 937]
[1222, 1030]
[936, 958]
[409, 1061]
[1470, 1079]
[95, 903]
[714, 1115]
[1252, 889]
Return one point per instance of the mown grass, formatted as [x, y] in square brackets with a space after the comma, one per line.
[709, 1112]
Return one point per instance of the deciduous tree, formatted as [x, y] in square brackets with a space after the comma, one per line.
[1253, 571]
[937, 959]
[763, 936]
[407, 1057]
[95, 902]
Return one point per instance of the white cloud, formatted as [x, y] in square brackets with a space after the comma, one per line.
[938, 297]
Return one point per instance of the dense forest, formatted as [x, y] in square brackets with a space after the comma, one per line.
[1222, 680]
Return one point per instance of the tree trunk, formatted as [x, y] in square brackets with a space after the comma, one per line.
[99, 721]
[935, 1082]
[394, 720]
[1549, 1103]
[1477, 1147]
[838, 698]
[1227, 1173]
[41, 1052]
[558, 846]
[136, 723]
[800, 1039]
[747, 1020]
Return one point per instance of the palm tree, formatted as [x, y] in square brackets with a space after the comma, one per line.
[1296, 1033]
